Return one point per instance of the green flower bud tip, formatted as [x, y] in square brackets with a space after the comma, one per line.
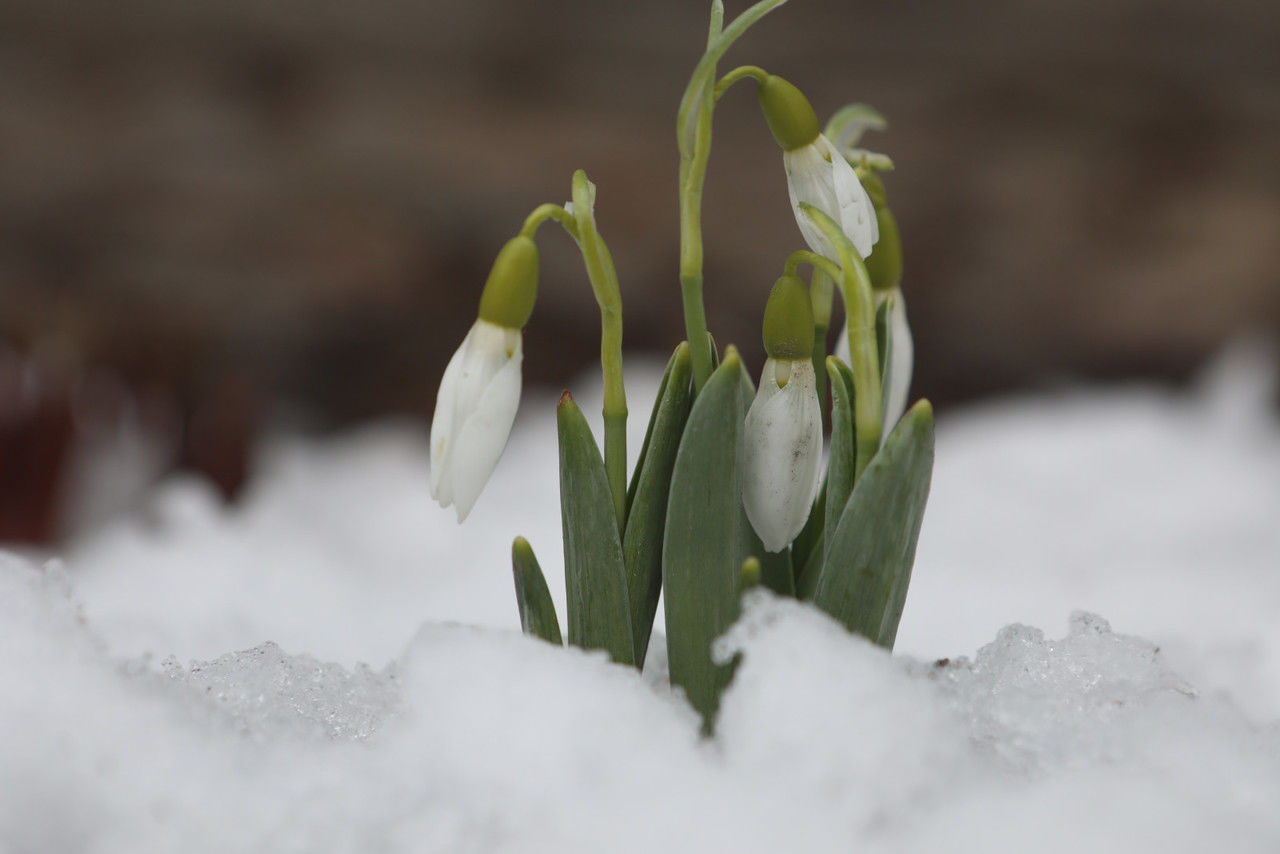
[788, 320]
[512, 286]
[884, 264]
[790, 115]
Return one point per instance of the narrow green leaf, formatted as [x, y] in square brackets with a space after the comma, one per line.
[599, 613]
[642, 542]
[810, 537]
[537, 612]
[701, 564]
[808, 574]
[882, 338]
[864, 581]
[842, 457]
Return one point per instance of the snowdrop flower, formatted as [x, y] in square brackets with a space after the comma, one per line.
[783, 429]
[480, 391]
[816, 172]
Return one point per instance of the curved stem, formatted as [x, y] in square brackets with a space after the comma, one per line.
[814, 260]
[855, 288]
[604, 283]
[693, 136]
[742, 72]
[547, 211]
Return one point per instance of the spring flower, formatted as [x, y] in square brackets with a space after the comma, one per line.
[816, 172]
[480, 391]
[783, 430]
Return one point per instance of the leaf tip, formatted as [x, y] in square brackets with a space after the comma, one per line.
[732, 360]
[521, 551]
[566, 399]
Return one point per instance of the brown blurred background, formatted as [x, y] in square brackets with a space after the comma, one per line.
[213, 209]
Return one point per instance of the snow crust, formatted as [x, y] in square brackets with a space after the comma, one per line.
[191, 678]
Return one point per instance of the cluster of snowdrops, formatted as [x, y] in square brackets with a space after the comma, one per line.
[730, 489]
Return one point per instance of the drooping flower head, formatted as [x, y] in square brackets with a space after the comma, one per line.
[783, 430]
[480, 391]
[816, 172]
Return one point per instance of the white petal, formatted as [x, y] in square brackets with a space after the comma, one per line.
[856, 213]
[809, 180]
[899, 361]
[475, 408]
[782, 440]
[484, 436]
[442, 430]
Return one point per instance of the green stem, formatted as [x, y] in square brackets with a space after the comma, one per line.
[855, 288]
[814, 260]
[742, 72]
[821, 295]
[547, 211]
[604, 283]
[693, 173]
[693, 135]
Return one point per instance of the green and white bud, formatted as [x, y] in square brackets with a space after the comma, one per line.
[782, 436]
[817, 173]
[480, 391]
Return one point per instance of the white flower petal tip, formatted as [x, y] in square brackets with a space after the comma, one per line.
[899, 361]
[475, 408]
[782, 453]
[819, 175]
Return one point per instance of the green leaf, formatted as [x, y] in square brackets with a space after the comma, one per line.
[882, 338]
[537, 612]
[808, 574]
[642, 542]
[809, 539]
[599, 613]
[842, 457]
[701, 564]
[865, 578]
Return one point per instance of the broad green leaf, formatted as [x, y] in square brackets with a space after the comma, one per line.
[701, 564]
[864, 581]
[642, 542]
[840, 460]
[599, 610]
[808, 574]
[537, 612]
[809, 539]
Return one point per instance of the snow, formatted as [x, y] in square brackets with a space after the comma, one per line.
[333, 664]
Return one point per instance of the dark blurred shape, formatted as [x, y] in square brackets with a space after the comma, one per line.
[244, 203]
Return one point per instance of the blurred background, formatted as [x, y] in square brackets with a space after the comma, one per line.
[218, 214]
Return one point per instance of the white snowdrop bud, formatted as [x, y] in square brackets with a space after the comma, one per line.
[819, 175]
[475, 408]
[782, 451]
[480, 391]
